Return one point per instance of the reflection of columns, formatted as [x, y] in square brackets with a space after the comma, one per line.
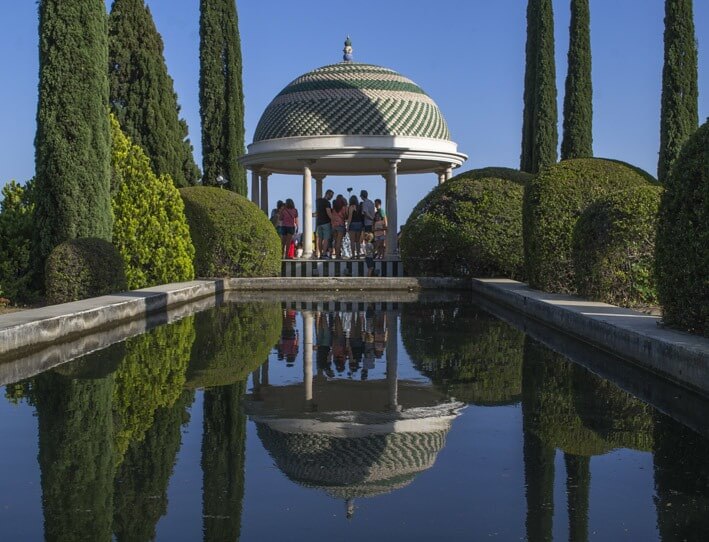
[264, 191]
[255, 186]
[306, 217]
[308, 356]
[449, 172]
[256, 377]
[392, 212]
[318, 184]
[392, 361]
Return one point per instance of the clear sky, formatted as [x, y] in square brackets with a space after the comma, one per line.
[468, 55]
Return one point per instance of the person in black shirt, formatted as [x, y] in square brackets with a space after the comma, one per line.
[323, 224]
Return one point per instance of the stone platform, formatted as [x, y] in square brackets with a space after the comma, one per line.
[340, 268]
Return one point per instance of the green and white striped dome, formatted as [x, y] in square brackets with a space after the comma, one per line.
[351, 98]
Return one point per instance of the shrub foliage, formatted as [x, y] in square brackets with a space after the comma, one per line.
[682, 258]
[16, 224]
[469, 226]
[232, 236]
[553, 202]
[614, 248]
[150, 230]
[82, 268]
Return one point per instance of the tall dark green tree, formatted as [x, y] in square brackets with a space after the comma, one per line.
[223, 457]
[578, 99]
[72, 144]
[221, 95]
[679, 115]
[540, 137]
[142, 92]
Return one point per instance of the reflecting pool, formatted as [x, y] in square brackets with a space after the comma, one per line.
[350, 420]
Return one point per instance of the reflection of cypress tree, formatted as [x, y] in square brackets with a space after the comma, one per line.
[681, 482]
[538, 455]
[474, 356]
[142, 480]
[76, 456]
[578, 480]
[223, 448]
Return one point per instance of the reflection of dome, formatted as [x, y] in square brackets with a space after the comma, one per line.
[358, 452]
[351, 98]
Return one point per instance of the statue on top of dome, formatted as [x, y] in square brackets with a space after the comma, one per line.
[347, 57]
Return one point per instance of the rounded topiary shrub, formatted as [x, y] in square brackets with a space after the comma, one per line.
[149, 228]
[553, 202]
[614, 248]
[82, 268]
[469, 226]
[682, 258]
[232, 236]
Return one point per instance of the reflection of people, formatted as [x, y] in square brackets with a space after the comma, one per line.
[324, 343]
[288, 344]
[380, 334]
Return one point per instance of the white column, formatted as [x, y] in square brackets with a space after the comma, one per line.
[264, 191]
[318, 185]
[308, 356]
[449, 172]
[255, 186]
[441, 176]
[392, 212]
[306, 217]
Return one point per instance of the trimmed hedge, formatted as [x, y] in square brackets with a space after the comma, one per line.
[553, 202]
[614, 248]
[82, 268]
[682, 258]
[149, 229]
[469, 226]
[232, 236]
[465, 352]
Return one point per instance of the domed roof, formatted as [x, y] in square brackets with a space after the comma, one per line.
[351, 98]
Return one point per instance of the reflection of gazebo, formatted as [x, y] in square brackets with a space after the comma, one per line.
[350, 119]
[351, 438]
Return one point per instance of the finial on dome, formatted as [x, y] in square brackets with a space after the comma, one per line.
[347, 57]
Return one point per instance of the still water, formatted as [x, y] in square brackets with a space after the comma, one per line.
[342, 421]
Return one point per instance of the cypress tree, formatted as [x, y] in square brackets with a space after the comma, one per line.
[539, 131]
[142, 92]
[72, 143]
[679, 115]
[529, 78]
[578, 99]
[221, 95]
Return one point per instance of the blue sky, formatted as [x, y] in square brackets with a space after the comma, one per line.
[468, 55]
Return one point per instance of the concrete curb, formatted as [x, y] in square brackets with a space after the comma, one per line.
[626, 333]
[37, 328]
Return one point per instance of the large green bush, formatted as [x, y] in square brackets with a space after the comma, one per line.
[466, 352]
[683, 238]
[553, 202]
[469, 226]
[614, 248]
[149, 230]
[82, 268]
[16, 224]
[232, 236]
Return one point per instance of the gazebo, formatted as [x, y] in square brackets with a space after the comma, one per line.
[350, 118]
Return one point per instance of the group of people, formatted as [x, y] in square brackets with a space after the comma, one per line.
[363, 221]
